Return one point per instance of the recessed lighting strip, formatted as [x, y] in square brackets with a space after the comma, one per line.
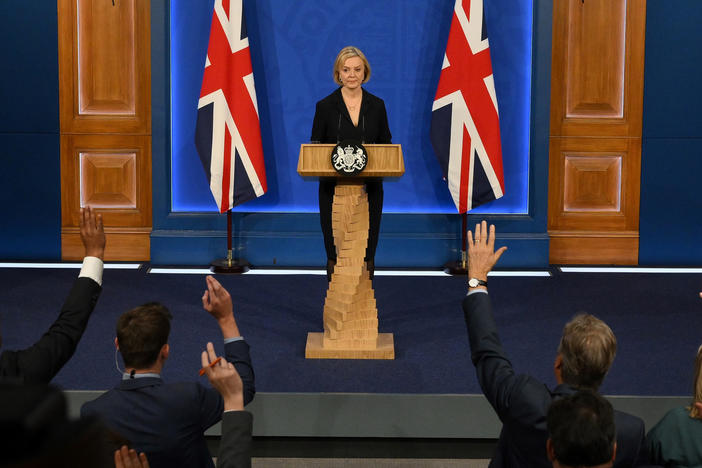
[108, 266]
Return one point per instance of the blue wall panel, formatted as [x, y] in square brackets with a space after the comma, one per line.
[671, 206]
[293, 238]
[29, 126]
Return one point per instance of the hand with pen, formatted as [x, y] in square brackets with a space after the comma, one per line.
[224, 378]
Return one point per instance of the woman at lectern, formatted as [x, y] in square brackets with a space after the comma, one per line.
[350, 113]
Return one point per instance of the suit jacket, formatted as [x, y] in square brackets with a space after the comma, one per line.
[332, 121]
[522, 402]
[41, 362]
[235, 445]
[168, 421]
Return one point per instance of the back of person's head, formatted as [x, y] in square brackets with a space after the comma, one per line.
[587, 350]
[36, 432]
[695, 410]
[142, 332]
[581, 431]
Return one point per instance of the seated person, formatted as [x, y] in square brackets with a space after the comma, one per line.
[585, 354]
[167, 421]
[677, 439]
[39, 363]
[581, 431]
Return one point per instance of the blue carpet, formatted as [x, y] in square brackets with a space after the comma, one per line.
[656, 319]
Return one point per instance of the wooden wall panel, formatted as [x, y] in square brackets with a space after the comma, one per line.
[597, 67]
[595, 143]
[104, 66]
[105, 113]
[594, 184]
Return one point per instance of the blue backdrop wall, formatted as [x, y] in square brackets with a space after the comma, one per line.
[293, 47]
[292, 50]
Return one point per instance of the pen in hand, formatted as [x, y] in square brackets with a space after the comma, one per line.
[212, 364]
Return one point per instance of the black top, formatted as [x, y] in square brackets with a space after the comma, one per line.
[332, 122]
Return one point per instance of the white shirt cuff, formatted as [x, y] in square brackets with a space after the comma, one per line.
[477, 291]
[92, 268]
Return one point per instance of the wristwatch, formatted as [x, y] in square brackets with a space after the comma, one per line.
[475, 282]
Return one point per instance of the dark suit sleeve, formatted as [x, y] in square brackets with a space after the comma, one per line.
[42, 361]
[237, 352]
[318, 125]
[495, 373]
[235, 445]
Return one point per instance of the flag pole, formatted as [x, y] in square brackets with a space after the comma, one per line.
[230, 264]
[460, 268]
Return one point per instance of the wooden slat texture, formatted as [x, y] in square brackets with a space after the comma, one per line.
[350, 312]
[104, 66]
[595, 142]
[383, 161]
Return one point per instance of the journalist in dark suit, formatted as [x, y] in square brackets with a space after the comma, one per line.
[167, 421]
[44, 359]
[584, 356]
[350, 113]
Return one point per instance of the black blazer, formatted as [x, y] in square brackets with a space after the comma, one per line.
[44, 359]
[332, 122]
[521, 401]
[235, 445]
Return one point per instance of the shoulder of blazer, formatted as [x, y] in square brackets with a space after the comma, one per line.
[372, 99]
[332, 100]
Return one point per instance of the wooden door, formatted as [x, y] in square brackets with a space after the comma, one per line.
[595, 137]
[105, 115]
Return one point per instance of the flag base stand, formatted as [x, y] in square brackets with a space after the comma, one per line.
[235, 266]
[457, 268]
[224, 265]
[460, 267]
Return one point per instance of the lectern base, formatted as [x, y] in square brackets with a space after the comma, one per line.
[315, 350]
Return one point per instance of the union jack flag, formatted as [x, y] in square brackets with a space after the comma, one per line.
[465, 127]
[227, 133]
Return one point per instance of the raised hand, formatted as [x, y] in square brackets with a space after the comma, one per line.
[224, 378]
[128, 458]
[217, 301]
[92, 233]
[481, 251]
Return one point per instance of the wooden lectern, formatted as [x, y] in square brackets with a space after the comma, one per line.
[350, 312]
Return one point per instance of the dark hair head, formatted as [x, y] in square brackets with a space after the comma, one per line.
[587, 349]
[581, 429]
[142, 332]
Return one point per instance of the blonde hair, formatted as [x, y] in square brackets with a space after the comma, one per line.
[697, 387]
[587, 349]
[345, 54]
